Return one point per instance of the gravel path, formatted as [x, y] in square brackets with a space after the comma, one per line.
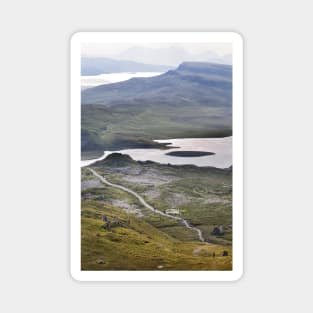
[148, 206]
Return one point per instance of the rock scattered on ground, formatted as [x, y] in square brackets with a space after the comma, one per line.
[129, 208]
[91, 183]
[100, 261]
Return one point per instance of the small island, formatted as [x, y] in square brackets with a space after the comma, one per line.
[189, 154]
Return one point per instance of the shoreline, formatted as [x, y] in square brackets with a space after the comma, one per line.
[174, 152]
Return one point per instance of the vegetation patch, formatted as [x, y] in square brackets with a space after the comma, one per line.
[134, 244]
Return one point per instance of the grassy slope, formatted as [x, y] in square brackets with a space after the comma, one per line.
[131, 127]
[150, 241]
[136, 245]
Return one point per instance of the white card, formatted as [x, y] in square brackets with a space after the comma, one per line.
[156, 156]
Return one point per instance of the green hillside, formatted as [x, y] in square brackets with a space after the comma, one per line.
[119, 233]
[133, 244]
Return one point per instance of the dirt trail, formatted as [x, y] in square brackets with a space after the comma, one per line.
[148, 206]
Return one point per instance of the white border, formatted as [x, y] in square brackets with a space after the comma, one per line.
[115, 37]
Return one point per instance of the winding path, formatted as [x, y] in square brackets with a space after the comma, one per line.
[148, 206]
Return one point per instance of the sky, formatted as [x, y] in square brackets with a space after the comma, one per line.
[160, 53]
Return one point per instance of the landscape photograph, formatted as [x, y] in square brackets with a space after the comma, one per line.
[156, 161]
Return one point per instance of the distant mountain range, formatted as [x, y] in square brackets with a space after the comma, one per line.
[95, 66]
[194, 100]
[172, 55]
[191, 83]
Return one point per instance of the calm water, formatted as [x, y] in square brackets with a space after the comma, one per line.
[222, 147]
[103, 79]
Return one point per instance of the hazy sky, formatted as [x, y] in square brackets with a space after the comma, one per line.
[160, 53]
[107, 49]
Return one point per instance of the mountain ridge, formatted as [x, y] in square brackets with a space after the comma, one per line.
[185, 81]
